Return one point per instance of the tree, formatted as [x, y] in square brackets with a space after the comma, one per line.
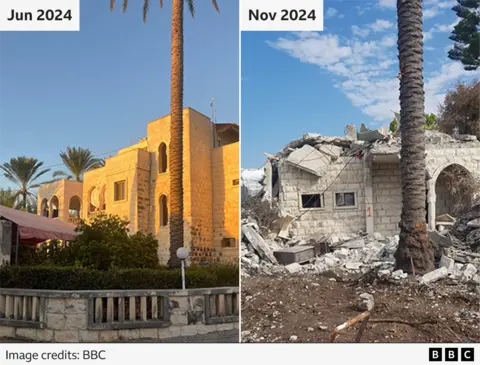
[460, 110]
[78, 160]
[24, 171]
[430, 123]
[466, 34]
[8, 198]
[415, 252]
[175, 157]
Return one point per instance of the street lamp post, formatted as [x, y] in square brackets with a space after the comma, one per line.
[182, 254]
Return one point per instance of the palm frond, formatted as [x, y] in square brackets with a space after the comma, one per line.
[191, 7]
[145, 10]
[161, 4]
[215, 5]
[124, 6]
[112, 5]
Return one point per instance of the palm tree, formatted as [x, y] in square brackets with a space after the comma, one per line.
[78, 160]
[175, 158]
[415, 252]
[24, 171]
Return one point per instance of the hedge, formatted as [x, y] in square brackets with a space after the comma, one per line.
[79, 278]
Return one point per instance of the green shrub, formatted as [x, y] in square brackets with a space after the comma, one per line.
[84, 278]
[103, 244]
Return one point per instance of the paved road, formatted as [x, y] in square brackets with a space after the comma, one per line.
[214, 337]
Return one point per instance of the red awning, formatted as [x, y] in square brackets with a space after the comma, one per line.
[35, 228]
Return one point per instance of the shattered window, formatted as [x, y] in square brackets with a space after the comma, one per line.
[312, 201]
[345, 199]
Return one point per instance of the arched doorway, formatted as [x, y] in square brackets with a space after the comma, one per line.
[44, 207]
[75, 206]
[103, 198]
[93, 200]
[163, 205]
[162, 158]
[54, 206]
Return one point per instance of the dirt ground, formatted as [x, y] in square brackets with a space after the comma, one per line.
[276, 308]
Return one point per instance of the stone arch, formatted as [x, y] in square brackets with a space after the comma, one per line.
[54, 206]
[93, 199]
[44, 207]
[163, 210]
[74, 206]
[162, 158]
[440, 200]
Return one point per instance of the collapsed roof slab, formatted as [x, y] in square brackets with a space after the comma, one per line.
[309, 159]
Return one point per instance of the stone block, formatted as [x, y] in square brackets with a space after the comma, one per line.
[205, 328]
[66, 336]
[447, 262]
[149, 333]
[75, 306]
[108, 335]
[188, 331]
[44, 335]
[76, 321]
[26, 333]
[178, 318]
[225, 326]
[55, 321]
[434, 275]
[297, 254]
[169, 332]
[7, 332]
[88, 336]
[130, 334]
[178, 302]
[55, 306]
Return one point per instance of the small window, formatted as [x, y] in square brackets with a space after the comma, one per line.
[312, 201]
[119, 190]
[345, 200]
[163, 211]
[162, 158]
[235, 182]
[228, 242]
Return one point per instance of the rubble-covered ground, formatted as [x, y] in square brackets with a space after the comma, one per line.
[305, 302]
[301, 308]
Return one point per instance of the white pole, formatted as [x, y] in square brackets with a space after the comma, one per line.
[183, 274]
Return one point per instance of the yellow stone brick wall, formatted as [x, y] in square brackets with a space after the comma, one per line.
[211, 202]
[64, 190]
[226, 196]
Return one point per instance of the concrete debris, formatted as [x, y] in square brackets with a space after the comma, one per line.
[252, 182]
[448, 263]
[298, 254]
[367, 302]
[309, 159]
[434, 275]
[475, 223]
[257, 242]
[293, 268]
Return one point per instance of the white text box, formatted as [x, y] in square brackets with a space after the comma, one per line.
[281, 15]
[39, 15]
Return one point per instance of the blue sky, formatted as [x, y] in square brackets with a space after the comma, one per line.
[98, 88]
[295, 83]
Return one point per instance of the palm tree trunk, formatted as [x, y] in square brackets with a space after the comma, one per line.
[175, 156]
[24, 196]
[415, 252]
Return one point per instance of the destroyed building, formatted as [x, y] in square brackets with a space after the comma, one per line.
[353, 184]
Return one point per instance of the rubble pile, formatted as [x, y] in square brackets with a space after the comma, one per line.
[349, 257]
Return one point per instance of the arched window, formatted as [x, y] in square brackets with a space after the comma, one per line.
[74, 206]
[44, 207]
[54, 206]
[162, 158]
[163, 211]
[93, 200]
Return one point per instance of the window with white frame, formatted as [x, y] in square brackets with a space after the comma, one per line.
[345, 200]
[310, 201]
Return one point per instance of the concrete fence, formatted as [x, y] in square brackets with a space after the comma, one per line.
[115, 315]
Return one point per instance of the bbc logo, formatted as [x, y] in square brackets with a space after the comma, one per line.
[451, 354]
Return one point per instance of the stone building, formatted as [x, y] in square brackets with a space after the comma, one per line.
[135, 185]
[353, 183]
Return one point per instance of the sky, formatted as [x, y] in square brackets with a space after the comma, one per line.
[318, 82]
[99, 87]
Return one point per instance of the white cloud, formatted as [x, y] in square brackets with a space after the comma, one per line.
[330, 13]
[390, 4]
[389, 40]
[361, 32]
[381, 25]
[427, 36]
[365, 71]
[430, 13]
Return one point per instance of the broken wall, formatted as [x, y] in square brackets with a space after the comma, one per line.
[330, 218]
[387, 197]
